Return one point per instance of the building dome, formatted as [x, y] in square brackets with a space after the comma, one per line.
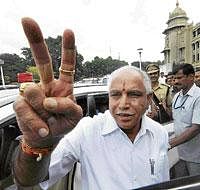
[177, 12]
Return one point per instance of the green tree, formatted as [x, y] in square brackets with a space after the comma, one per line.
[13, 64]
[54, 46]
[99, 67]
[79, 67]
[34, 71]
[28, 58]
[145, 63]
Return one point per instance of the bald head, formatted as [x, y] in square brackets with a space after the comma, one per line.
[130, 71]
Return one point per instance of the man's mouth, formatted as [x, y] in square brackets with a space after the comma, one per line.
[125, 114]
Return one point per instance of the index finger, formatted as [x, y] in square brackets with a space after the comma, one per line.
[39, 49]
[67, 67]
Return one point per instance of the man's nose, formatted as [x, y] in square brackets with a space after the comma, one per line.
[176, 81]
[123, 102]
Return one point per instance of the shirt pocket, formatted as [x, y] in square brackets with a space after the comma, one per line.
[186, 113]
[158, 167]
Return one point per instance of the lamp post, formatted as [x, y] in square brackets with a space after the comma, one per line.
[2, 76]
[140, 56]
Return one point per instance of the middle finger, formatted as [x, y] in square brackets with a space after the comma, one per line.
[39, 50]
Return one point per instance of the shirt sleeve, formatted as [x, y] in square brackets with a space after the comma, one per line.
[165, 157]
[196, 111]
[64, 156]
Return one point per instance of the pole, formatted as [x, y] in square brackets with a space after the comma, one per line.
[140, 60]
[140, 56]
[2, 77]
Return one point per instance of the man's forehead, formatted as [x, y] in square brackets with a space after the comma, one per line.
[180, 72]
[152, 68]
[197, 73]
[170, 76]
[125, 76]
[127, 82]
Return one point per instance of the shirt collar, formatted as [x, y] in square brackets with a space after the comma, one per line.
[110, 124]
[145, 126]
[190, 92]
[159, 86]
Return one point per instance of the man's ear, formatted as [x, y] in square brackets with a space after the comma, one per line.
[191, 76]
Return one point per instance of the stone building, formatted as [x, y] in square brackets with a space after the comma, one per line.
[181, 40]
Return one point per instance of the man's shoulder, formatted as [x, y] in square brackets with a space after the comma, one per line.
[162, 87]
[154, 126]
[92, 123]
[197, 88]
[165, 86]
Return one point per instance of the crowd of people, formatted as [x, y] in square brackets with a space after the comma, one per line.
[123, 148]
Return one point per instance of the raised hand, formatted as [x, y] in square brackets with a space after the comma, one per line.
[48, 110]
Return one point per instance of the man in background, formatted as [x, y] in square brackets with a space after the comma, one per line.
[170, 80]
[161, 101]
[197, 76]
[186, 109]
[162, 78]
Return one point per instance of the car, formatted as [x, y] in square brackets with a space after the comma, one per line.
[93, 99]
[10, 86]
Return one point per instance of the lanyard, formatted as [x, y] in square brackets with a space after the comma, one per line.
[181, 106]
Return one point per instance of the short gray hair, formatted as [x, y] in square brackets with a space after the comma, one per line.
[147, 81]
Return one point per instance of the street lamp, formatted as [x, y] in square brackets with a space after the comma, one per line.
[2, 76]
[140, 55]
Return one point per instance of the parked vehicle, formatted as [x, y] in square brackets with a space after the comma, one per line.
[92, 99]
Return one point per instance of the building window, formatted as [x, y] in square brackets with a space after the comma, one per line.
[193, 46]
[197, 44]
[198, 57]
[194, 33]
[198, 31]
[168, 57]
[181, 53]
[193, 58]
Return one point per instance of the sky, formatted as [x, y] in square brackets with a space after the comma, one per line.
[102, 28]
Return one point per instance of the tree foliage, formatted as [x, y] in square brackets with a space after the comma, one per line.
[145, 63]
[13, 64]
[34, 71]
[79, 67]
[98, 67]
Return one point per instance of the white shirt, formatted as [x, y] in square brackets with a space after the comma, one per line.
[186, 109]
[162, 80]
[108, 158]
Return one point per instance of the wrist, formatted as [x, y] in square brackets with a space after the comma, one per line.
[37, 153]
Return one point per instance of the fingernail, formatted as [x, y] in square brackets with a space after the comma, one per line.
[43, 132]
[50, 103]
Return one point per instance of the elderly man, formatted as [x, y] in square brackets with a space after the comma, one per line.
[185, 109]
[120, 149]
